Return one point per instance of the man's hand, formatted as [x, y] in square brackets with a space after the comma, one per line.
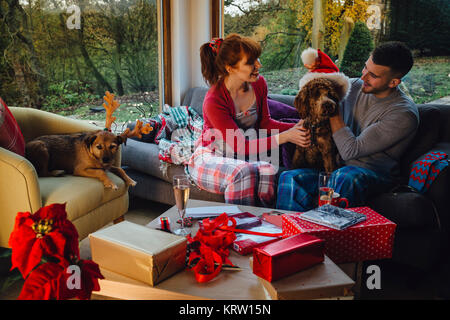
[336, 123]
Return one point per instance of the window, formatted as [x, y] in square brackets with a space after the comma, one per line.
[61, 56]
[339, 27]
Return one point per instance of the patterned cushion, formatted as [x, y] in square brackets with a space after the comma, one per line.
[10, 135]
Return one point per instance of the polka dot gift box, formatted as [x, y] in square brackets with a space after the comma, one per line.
[372, 239]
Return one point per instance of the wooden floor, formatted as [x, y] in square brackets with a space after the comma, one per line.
[140, 212]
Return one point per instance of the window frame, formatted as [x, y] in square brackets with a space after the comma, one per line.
[165, 53]
[217, 18]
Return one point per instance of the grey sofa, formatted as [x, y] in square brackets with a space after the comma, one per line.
[423, 220]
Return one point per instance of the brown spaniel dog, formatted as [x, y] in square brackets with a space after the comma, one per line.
[318, 100]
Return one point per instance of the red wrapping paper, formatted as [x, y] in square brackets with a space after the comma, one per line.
[372, 239]
[287, 256]
[246, 243]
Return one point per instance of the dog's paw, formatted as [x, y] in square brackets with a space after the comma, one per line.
[57, 173]
[111, 185]
[131, 182]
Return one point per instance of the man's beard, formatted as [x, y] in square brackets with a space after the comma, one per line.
[373, 90]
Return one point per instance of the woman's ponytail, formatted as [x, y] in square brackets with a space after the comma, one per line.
[208, 61]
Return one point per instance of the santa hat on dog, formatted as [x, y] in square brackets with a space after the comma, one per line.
[323, 67]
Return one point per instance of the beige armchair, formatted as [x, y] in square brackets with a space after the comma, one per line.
[90, 206]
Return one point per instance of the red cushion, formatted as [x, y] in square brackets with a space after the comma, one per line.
[11, 137]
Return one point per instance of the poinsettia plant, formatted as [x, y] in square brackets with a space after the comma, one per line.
[45, 250]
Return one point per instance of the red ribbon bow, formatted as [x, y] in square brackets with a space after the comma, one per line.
[215, 44]
[211, 246]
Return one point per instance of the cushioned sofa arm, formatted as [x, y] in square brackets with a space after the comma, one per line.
[19, 190]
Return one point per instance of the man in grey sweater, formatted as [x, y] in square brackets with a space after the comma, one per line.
[375, 124]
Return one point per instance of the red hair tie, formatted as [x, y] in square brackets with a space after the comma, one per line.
[215, 44]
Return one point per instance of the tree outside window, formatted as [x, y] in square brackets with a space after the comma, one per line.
[62, 55]
[286, 27]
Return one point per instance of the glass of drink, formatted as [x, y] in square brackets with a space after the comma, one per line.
[181, 187]
[326, 189]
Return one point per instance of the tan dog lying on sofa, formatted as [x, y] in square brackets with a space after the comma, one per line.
[85, 154]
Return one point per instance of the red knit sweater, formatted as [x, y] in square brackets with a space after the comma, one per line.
[219, 113]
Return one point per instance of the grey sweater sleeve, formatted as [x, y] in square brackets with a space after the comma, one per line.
[391, 128]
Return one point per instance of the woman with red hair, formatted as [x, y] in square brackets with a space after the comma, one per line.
[226, 160]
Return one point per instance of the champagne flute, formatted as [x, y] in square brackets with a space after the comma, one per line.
[181, 188]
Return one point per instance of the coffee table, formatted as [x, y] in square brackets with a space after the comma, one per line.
[325, 280]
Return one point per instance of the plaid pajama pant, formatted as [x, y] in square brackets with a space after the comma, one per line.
[298, 188]
[241, 182]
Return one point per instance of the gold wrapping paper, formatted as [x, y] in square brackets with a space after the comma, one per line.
[138, 252]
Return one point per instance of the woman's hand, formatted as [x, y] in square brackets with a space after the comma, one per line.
[297, 135]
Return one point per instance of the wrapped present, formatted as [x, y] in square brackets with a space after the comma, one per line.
[372, 239]
[250, 232]
[245, 243]
[273, 217]
[287, 256]
[138, 252]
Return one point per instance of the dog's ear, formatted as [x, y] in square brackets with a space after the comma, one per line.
[120, 140]
[89, 140]
[301, 103]
[337, 92]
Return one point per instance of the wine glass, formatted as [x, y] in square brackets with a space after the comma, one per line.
[326, 189]
[181, 188]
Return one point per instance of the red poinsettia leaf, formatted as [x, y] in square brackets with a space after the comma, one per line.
[72, 247]
[22, 218]
[90, 273]
[56, 212]
[65, 292]
[53, 244]
[43, 233]
[26, 253]
[70, 286]
[42, 282]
